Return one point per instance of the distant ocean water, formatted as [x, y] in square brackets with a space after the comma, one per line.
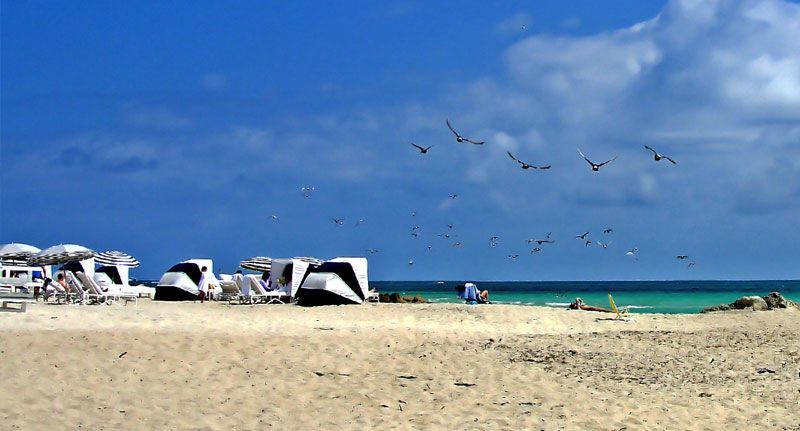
[640, 296]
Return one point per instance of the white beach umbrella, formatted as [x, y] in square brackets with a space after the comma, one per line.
[16, 251]
[258, 263]
[59, 254]
[116, 258]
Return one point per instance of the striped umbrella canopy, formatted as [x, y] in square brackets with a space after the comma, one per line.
[258, 263]
[17, 252]
[116, 258]
[59, 254]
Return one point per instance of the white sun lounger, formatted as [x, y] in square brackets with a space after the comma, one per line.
[229, 290]
[95, 291]
[57, 292]
[80, 293]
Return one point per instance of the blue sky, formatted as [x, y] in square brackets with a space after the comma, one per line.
[176, 132]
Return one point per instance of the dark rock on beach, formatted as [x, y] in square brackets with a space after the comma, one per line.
[773, 301]
[397, 298]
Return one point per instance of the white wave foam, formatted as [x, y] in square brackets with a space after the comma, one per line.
[557, 304]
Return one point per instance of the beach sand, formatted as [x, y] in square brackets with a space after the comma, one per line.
[381, 366]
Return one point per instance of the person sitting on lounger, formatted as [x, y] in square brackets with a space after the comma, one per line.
[579, 305]
[471, 295]
[264, 281]
[63, 281]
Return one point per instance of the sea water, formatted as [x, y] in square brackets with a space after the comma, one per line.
[638, 296]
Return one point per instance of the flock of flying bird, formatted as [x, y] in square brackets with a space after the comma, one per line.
[495, 240]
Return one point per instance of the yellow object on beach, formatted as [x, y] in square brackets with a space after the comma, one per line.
[620, 314]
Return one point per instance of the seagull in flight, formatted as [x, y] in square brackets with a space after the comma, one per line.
[422, 150]
[525, 165]
[429, 248]
[360, 221]
[595, 166]
[461, 139]
[410, 262]
[632, 252]
[536, 250]
[609, 230]
[513, 256]
[657, 157]
[274, 217]
[691, 264]
[338, 221]
[682, 257]
[372, 250]
[307, 190]
[582, 237]
[588, 241]
[453, 196]
[604, 245]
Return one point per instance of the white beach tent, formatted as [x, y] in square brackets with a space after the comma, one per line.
[337, 281]
[293, 271]
[181, 281]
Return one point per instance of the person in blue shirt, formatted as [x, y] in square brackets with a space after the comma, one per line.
[471, 295]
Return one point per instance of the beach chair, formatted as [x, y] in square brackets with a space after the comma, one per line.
[79, 292]
[55, 291]
[258, 293]
[229, 289]
[621, 314]
[373, 296]
[96, 292]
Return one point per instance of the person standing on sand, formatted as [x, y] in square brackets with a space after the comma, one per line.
[202, 286]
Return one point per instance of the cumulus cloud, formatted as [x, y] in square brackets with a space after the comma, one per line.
[711, 82]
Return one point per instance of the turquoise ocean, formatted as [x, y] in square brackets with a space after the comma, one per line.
[640, 296]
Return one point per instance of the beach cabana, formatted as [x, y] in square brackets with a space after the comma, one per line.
[335, 282]
[182, 281]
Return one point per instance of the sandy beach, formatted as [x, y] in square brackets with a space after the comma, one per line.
[382, 366]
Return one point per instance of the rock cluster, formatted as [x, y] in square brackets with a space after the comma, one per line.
[772, 301]
[400, 299]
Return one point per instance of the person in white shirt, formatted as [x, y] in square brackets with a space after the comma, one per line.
[202, 286]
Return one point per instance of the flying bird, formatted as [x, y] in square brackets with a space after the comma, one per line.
[461, 139]
[410, 262]
[372, 250]
[595, 166]
[691, 264]
[274, 217]
[453, 196]
[421, 149]
[360, 221]
[449, 226]
[429, 248]
[657, 157]
[604, 245]
[609, 230]
[307, 190]
[682, 256]
[457, 244]
[632, 252]
[525, 165]
[588, 241]
[413, 213]
[338, 221]
[513, 256]
[536, 250]
[583, 237]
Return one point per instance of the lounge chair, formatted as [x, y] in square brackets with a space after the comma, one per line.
[373, 296]
[229, 290]
[258, 293]
[96, 292]
[621, 314]
[79, 292]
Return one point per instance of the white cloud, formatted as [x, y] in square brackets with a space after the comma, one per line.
[158, 118]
